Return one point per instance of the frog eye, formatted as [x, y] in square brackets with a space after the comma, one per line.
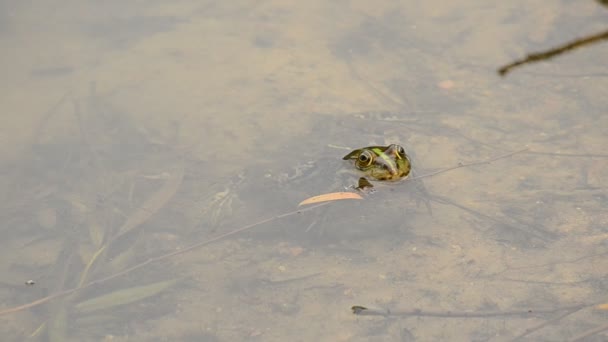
[366, 158]
[400, 151]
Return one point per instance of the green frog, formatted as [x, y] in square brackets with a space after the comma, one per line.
[322, 175]
[386, 163]
[383, 163]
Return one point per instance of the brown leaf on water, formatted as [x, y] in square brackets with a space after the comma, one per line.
[332, 196]
[602, 306]
[446, 84]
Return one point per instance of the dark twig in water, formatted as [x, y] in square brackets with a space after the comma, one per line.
[545, 55]
[546, 323]
[363, 311]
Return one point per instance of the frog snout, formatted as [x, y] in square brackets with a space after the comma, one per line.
[393, 171]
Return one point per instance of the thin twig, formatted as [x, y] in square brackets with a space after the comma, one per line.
[363, 311]
[460, 165]
[545, 55]
[575, 155]
[544, 324]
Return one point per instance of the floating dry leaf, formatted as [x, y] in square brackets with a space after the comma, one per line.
[602, 306]
[446, 84]
[122, 297]
[333, 196]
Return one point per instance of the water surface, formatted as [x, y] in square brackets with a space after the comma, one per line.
[134, 130]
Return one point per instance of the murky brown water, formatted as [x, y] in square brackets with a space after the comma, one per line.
[132, 131]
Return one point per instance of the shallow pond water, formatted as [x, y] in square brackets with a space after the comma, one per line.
[135, 134]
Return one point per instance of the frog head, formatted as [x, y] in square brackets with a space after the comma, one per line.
[386, 163]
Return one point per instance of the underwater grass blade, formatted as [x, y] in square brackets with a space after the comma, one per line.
[124, 296]
[86, 270]
[154, 203]
[122, 260]
[96, 234]
[38, 330]
[58, 325]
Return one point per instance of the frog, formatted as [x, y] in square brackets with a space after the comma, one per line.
[380, 163]
[314, 174]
